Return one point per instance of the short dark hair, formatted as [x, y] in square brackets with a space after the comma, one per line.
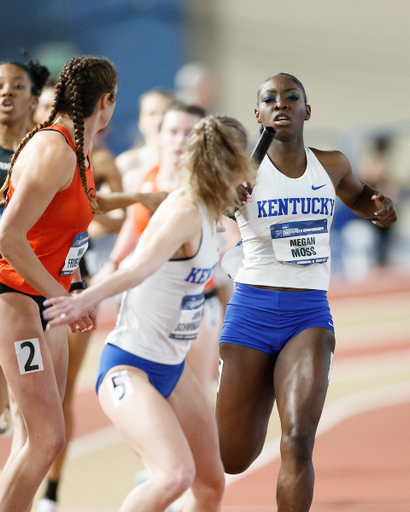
[37, 73]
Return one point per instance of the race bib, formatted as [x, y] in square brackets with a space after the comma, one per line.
[76, 252]
[303, 242]
[119, 386]
[191, 313]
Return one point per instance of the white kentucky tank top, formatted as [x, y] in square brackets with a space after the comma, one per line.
[285, 228]
[159, 318]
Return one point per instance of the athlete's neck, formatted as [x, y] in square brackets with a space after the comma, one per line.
[11, 135]
[68, 123]
[289, 157]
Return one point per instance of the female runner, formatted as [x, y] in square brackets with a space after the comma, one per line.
[50, 204]
[277, 341]
[144, 386]
[20, 87]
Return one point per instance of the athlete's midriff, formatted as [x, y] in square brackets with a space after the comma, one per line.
[280, 289]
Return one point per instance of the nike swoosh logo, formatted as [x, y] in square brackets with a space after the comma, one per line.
[317, 188]
[330, 324]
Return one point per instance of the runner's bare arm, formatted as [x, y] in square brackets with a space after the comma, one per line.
[51, 169]
[176, 225]
[361, 198]
[114, 200]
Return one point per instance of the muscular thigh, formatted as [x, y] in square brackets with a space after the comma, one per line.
[301, 378]
[244, 402]
[144, 418]
[25, 355]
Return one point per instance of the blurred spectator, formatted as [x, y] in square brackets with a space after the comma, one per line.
[145, 154]
[359, 244]
[45, 102]
[195, 84]
[375, 169]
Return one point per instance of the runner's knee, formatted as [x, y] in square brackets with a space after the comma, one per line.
[237, 460]
[211, 490]
[297, 446]
[176, 482]
[47, 439]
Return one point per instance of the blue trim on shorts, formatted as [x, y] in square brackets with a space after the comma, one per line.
[164, 377]
[267, 319]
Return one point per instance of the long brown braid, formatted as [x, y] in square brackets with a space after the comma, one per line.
[82, 82]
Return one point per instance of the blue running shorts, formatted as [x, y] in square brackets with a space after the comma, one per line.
[164, 377]
[267, 319]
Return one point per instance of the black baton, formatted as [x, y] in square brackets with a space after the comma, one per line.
[263, 144]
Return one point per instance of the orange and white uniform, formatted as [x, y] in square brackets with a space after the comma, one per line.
[59, 237]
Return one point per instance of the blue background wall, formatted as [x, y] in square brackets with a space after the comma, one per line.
[146, 40]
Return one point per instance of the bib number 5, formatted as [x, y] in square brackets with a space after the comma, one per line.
[119, 386]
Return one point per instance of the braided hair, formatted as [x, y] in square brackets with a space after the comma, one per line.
[82, 82]
[216, 148]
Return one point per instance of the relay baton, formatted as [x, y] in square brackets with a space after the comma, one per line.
[232, 261]
[261, 148]
[263, 144]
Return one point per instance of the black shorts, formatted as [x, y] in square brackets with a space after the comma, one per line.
[38, 299]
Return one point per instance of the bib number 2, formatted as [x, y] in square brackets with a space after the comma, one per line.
[29, 356]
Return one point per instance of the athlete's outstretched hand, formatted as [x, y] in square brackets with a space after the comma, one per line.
[69, 310]
[151, 200]
[385, 212]
[87, 323]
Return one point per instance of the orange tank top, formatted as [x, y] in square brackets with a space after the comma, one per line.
[141, 215]
[65, 220]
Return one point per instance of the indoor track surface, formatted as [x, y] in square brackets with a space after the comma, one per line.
[362, 451]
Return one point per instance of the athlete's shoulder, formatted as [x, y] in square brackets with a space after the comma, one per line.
[181, 207]
[50, 146]
[332, 161]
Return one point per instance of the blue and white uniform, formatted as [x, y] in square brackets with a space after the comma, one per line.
[159, 318]
[285, 240]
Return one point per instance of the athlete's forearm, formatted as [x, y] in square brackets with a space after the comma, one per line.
[364, 205]
[115, 200]
[22, 258]
[112, 285]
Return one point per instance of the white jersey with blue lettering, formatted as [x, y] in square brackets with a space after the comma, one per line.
[159, 318]
[285, 228]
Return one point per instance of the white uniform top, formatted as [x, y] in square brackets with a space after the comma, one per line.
[285, 228]
[159, 318]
